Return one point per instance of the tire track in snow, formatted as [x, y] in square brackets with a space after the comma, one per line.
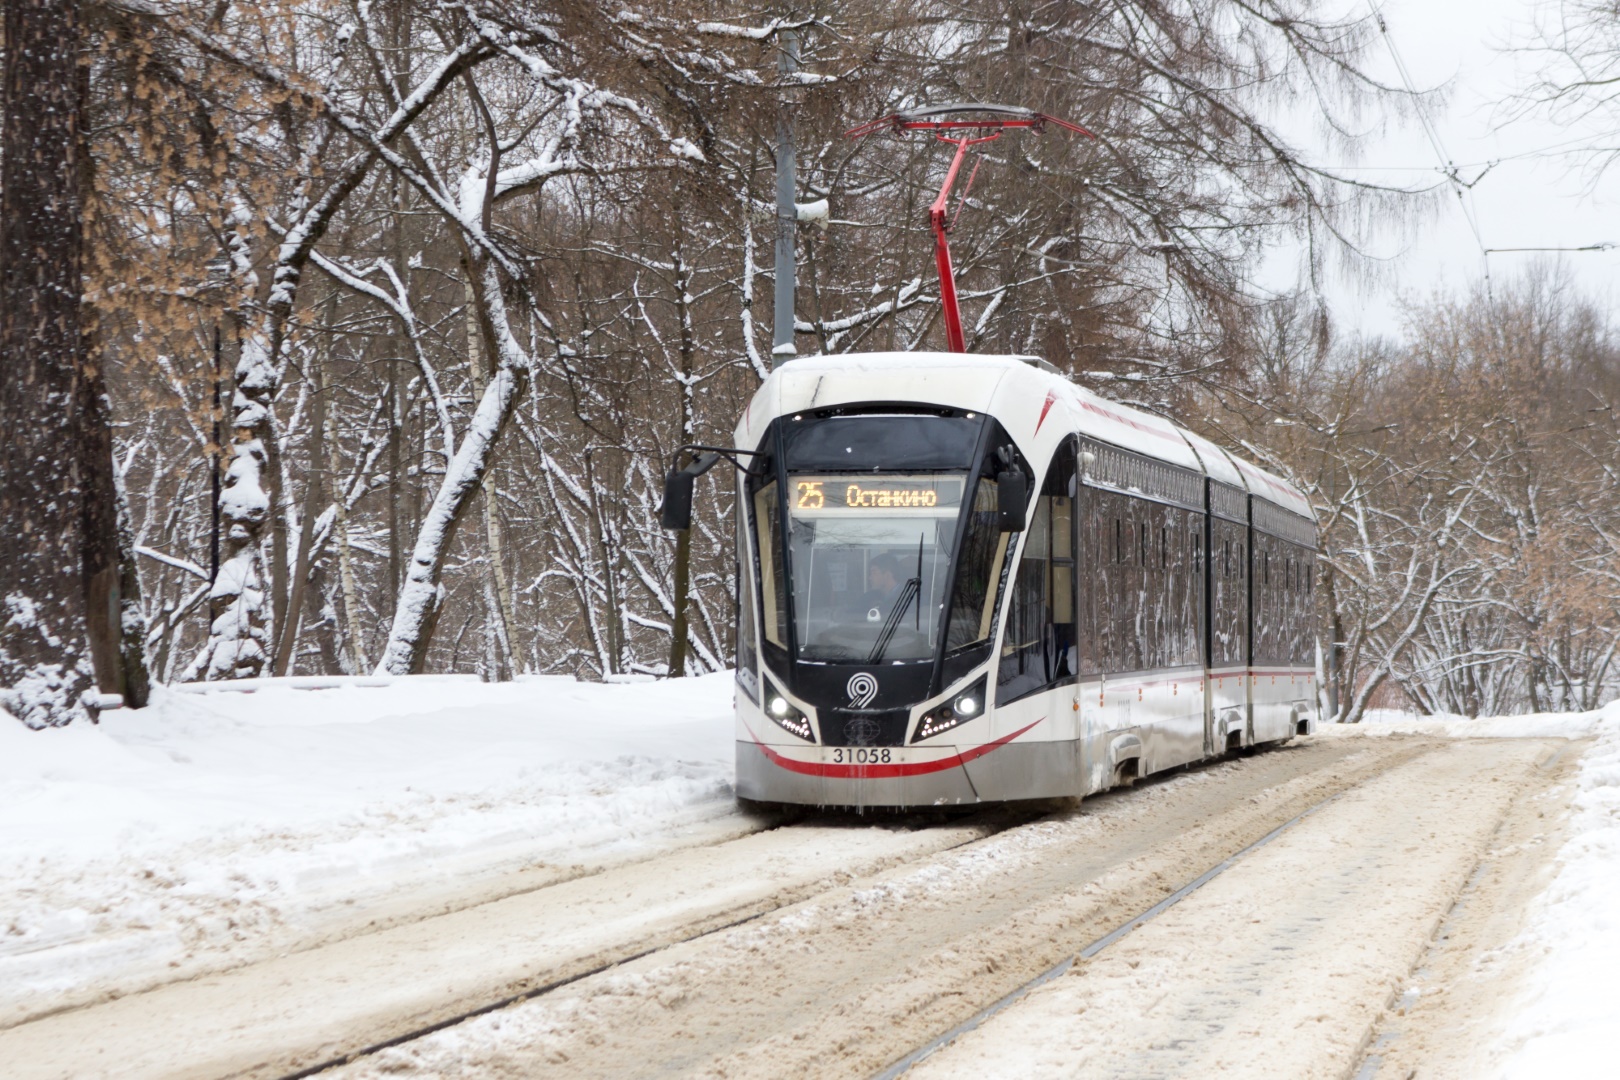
[845, 982]
[1282, 966]
[330, 1003]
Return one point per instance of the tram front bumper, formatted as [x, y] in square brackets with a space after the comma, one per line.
[767, 776]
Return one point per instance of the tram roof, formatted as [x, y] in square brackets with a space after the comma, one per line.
[1006, 387]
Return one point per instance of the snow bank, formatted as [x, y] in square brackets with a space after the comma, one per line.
[1530, 726]
[1564, 1024]
[213, 819]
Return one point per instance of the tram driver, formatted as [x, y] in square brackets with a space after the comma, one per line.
[882, 586]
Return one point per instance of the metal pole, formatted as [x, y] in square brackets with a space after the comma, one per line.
[213, 532]
[942, 250]
[787, 211]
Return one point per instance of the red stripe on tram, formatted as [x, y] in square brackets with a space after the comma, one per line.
[882, 772]
[1051, 398]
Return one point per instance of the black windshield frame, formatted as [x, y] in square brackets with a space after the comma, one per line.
[992, 450]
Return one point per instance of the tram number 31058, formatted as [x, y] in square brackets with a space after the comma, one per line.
[861, 755]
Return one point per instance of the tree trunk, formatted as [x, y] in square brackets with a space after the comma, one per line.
[320, 616]
[137, 688]
[45, 660]
[502, 611]
[292, 614]
[351, 594]
[421, 596]
[103, 609]
[682, 570]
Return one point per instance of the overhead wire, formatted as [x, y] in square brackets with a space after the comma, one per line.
[1448, 167]
[1452, 172]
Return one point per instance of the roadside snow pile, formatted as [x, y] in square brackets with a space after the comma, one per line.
[1562, 1022]
[1573, 725]
[164, 837]
[1564, 1025]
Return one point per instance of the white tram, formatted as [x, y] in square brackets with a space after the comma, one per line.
[965, 579]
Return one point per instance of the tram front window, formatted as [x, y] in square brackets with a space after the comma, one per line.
[870, 558]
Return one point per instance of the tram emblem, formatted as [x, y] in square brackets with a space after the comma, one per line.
[861, 731]
[863, 689]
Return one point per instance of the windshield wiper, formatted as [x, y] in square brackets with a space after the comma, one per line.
[908, 592]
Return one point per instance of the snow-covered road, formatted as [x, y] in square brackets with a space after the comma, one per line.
[1281, 966]
[872, 938]
[217, 828]
[252, 885]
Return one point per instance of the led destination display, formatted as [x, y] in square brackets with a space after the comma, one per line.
[853, 495]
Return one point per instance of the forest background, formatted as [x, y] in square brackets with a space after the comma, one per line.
[403, 308]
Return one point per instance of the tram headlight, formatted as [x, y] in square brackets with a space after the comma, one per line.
[787, 717]
[957, 710]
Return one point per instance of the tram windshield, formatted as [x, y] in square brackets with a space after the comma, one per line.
[868, 521]
[870, 558]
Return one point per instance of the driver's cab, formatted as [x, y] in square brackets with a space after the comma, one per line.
[880, 536]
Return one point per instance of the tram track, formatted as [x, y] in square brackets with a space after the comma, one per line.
[727, 883]
[838, 974]
[1001, 820]
[834, 986]
[1287, 963]
[1063, 967]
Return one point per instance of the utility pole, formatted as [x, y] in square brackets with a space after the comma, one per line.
[787, 210]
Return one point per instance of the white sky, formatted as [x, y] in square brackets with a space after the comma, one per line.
[1544, 201]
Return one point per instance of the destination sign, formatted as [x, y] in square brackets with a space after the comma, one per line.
[812, 494]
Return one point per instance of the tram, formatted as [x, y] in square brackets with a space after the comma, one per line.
[967, 579]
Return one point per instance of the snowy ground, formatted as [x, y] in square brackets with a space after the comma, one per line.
[1564, 1023]
[215, 828]
[188, 833]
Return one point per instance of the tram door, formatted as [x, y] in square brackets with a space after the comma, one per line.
[1202, 578]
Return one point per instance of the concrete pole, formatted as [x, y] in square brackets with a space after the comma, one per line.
[787, 211]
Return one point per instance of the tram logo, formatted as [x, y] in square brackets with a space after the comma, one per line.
[861, 731]
[863, 689]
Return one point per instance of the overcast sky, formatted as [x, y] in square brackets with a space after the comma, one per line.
[1526, 200]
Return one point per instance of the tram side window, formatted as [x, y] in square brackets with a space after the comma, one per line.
[1038, 644]
[1300, 645]
[1141, 598]
[1063, 580]
[1170, 616]
[747, 644]
[1281, 613]
[1105, 578]
[984, 551]
[1150, 594]
[1229, 614]
[773, 593]
[1263, 628]
[1181, 610]
[1195, 586]
[1024, 643]
[1132, 621]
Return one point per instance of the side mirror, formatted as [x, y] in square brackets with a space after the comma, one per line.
[1012, 499]
[676, 513]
